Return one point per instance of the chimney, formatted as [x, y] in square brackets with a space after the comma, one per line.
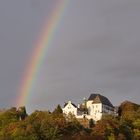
[78, 105]
[69, 102]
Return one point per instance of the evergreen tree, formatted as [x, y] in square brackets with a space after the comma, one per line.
[91, 123]
[58, 110]
[22, 112]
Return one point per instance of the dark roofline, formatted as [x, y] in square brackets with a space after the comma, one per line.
[71, 103]
[104, 100]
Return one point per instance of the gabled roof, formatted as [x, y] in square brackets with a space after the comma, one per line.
[71, 103]
[97, 98]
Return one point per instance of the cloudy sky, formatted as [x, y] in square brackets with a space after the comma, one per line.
[97, 46]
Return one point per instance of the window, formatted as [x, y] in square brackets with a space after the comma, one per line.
[69, 107]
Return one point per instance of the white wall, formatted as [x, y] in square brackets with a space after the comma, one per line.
[95, 110]
[69, 108]
[89, 106]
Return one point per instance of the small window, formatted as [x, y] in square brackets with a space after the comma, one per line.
[69, 107]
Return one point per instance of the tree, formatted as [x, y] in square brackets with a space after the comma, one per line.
[58, 110]
[8, 117]
[22, 112]
[136, 129]
[107, 128]
[91, 123]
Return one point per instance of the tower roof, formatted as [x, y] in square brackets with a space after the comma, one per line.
[97, 98]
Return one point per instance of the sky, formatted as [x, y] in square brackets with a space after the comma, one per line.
[95, 48]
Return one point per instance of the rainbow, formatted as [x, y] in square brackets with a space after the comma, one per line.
[39, 54]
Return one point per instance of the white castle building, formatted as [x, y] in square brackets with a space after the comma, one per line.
[94, 108]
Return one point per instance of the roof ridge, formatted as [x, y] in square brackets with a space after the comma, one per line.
[97, 99]
[101, 99]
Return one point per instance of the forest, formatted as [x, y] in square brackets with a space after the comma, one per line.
[16, 124]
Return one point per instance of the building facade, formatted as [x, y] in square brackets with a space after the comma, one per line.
[70, 108]
[94, 108]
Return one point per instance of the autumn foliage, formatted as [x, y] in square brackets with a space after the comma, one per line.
[15, 124]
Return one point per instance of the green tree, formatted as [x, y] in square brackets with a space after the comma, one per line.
[58, 110]
[91, 123]
[106, 128]
[8, 117]
[22, 112]
[136, 130]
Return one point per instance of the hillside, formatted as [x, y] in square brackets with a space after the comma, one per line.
[15, 124]
[126, 108]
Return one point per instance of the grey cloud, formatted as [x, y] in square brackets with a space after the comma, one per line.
[96, 46]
